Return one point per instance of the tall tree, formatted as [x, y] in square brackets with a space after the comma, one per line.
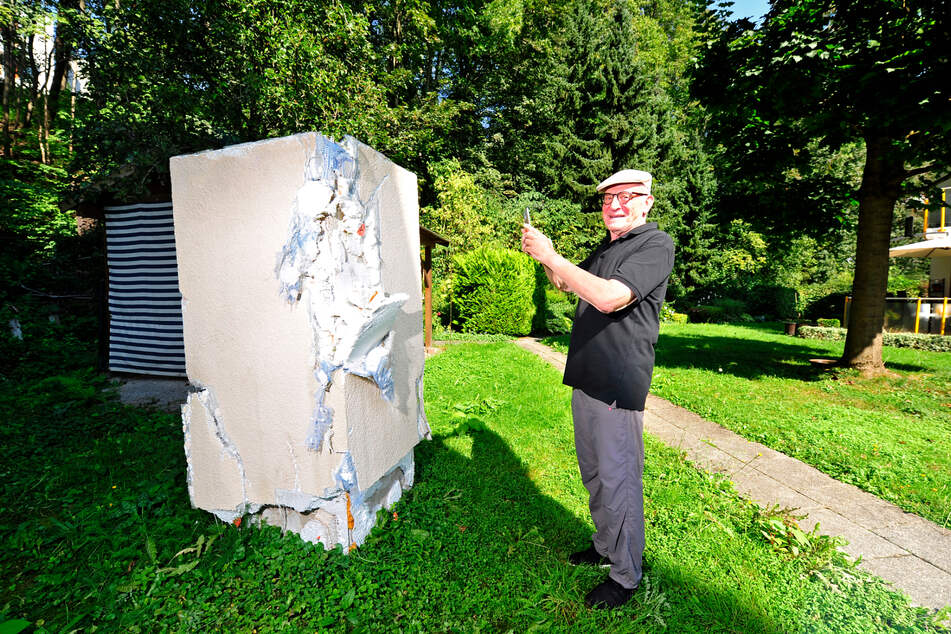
[37, 37]
[609, 105]
[873, 71]
[173, 76]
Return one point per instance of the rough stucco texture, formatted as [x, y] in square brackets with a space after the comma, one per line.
[299, 270]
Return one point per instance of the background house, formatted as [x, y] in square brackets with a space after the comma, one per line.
[928, 313]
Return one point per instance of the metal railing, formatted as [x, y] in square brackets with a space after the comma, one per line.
[925, 315]
[934, 219]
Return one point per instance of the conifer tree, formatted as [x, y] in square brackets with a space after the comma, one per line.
[616, 111]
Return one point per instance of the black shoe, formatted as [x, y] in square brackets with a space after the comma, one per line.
[589, 556]
[608, 594]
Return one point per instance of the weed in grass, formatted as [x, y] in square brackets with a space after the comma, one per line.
[781, 529]
[472, 416]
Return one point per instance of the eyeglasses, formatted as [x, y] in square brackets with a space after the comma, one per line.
[622, 197]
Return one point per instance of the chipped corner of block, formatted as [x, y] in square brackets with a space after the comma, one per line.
[422, 423]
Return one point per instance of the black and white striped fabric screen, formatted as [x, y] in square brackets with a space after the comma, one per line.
[145, 305]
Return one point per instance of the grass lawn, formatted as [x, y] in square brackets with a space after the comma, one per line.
[97, 533]
[890, 436]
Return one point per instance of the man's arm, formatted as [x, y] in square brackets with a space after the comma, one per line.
[605, 295]
[556, 281]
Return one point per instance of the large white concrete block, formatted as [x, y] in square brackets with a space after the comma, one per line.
[300, 276]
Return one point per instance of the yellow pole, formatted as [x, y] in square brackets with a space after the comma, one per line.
[944, 313]
[845, 312]
[917, 315]
[944, 203]
[924, 230]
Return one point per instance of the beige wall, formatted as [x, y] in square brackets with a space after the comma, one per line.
[941, 269]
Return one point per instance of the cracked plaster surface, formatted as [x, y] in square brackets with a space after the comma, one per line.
[332, 263]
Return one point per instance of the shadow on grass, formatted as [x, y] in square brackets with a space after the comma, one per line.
[474, 545]
[516, 542]
[747, 358]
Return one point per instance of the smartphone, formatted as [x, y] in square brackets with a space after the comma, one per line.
[528, 218]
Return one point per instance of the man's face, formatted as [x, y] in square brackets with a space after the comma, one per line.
[619, 218]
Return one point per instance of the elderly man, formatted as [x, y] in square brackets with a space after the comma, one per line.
[621, 287]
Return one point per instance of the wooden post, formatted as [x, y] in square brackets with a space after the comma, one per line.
[428, 295]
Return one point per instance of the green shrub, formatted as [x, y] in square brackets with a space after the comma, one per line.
[772, 300]
[668, 313]
[480, 337]
[721, 310]
[829, 323]
[558, 312]
[821, 332]
[919, 341]
[912, 285]
[826, 298]
[493, 291]
[935, 343]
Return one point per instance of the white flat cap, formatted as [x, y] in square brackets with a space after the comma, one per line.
[627, 176]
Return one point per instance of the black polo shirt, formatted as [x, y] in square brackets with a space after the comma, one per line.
[611, 356]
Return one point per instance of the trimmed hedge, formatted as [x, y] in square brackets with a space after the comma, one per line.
[829, 323]
[821, 332]
[934, 343]
[494, 291]
[669, 314]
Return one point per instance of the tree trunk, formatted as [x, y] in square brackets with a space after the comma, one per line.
[34, 81]
[43, 134]
[881, 179]
[8, 74]
[62, 54]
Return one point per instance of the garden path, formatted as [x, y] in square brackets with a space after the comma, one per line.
[911, 552]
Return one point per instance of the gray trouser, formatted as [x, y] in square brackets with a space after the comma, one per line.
[610, 445]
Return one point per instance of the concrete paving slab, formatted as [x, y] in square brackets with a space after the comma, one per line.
[672, 436]
[862, 542]
[713, 463]
[799, 475]
[877, 514]
[924, 584]
[700, 426]
[929, 542]
[713, 458]
[660, 405]
[738, 447]
[553, 357]
[165, 394]
[767, 492]
[834, 494]
[687, 420]
[770, 454]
